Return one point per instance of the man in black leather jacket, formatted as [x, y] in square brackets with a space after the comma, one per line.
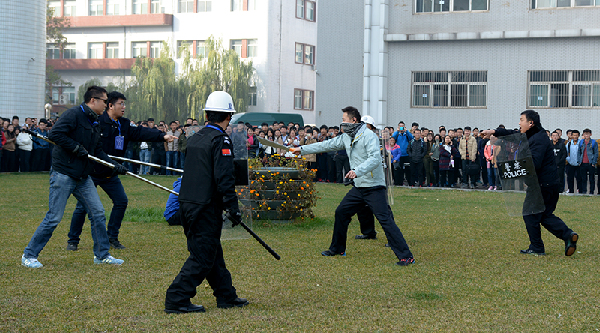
[543, 157]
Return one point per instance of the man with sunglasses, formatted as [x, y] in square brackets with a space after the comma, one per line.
[116, 133]
[75, 134]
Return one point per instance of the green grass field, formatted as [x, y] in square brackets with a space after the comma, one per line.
[468, 276]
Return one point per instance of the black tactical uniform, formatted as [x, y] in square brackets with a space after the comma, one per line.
[207, 188]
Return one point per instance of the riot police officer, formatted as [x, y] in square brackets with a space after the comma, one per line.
[207, 189]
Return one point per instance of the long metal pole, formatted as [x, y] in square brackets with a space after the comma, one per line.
[145, 163]
[103, 162]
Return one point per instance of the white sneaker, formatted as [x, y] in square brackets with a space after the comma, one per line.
[108, 260]
[30, 262]
[491, 188]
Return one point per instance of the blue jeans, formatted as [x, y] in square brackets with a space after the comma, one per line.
[145, 157]
[112, 186]
[172, 161]
[181, 160]
[491, 171]
[61, 187]
[129, 155]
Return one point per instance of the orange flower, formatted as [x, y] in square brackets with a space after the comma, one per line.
[302, 188]
[259, 194]
[252, 191]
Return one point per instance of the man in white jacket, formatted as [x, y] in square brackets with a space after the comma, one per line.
[362, 146]
[24, 145]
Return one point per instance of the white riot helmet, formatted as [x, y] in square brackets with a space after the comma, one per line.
[219, 101]
[368, 120]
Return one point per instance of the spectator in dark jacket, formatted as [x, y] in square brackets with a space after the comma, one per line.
[446, 163]
[546, 170]
[560, 155]
[76, 133]
[417, 149]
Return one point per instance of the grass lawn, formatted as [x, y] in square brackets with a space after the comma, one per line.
[468, 276]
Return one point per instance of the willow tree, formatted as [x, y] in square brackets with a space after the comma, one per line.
[157, 92]
[221, 70]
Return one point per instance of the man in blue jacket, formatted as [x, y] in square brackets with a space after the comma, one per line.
[362, 147]
[403, 139]
[75, 134]
[542, 154]
[116, 133]
[587, 158]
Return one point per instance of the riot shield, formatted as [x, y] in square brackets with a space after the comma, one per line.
[240, 161]
[388, 167]
[520, 186]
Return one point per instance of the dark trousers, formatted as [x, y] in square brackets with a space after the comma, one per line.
[367, 221]
[397, 174]
[24, 160]
[469, 170]
[113, 187]
[376, 199]
[547, 219]
[416, 170]
[561, 176]
[202, 227]
[572, 174]
[10, 161]
[428, 165]
[436, 172]
[446, 177]
[322, 166]
[331, 168]
[484, 174]
[40, 159]
[587, 174]
[159, 157]
[404, 171]
[342, 166]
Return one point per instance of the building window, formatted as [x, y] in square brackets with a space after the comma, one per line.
[539, 4]
[183, 47]
[204, 6]
[96, 7]
[306, 9]
[69, 8]
[252, 96]
[52, 51]
[185, 6]
[95, 50]
[305, 54]
[431, 6]
[55, 95]
[300, 9]
[69, 51]
[68, 95]
[155, 49]
[156, 7]
[236, 45]
[201, 49]
[55, 6]
[140, 6]
[112, 50]
[449, 89]
[303, 99]
[252, 48]
[237, 5]
[112, 7]
[139, 49]
[563, 89]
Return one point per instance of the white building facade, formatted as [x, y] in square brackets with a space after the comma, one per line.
[22, 58]
[476, 62]
[278, 36]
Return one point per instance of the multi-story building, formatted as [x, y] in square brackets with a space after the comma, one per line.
[467, 62]
[105, 37]
[22, 58]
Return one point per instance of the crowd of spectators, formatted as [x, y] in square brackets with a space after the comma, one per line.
[419, 157]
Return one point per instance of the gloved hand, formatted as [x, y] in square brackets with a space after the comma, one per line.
[119, 169]
[80, 152]
[234, 215]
